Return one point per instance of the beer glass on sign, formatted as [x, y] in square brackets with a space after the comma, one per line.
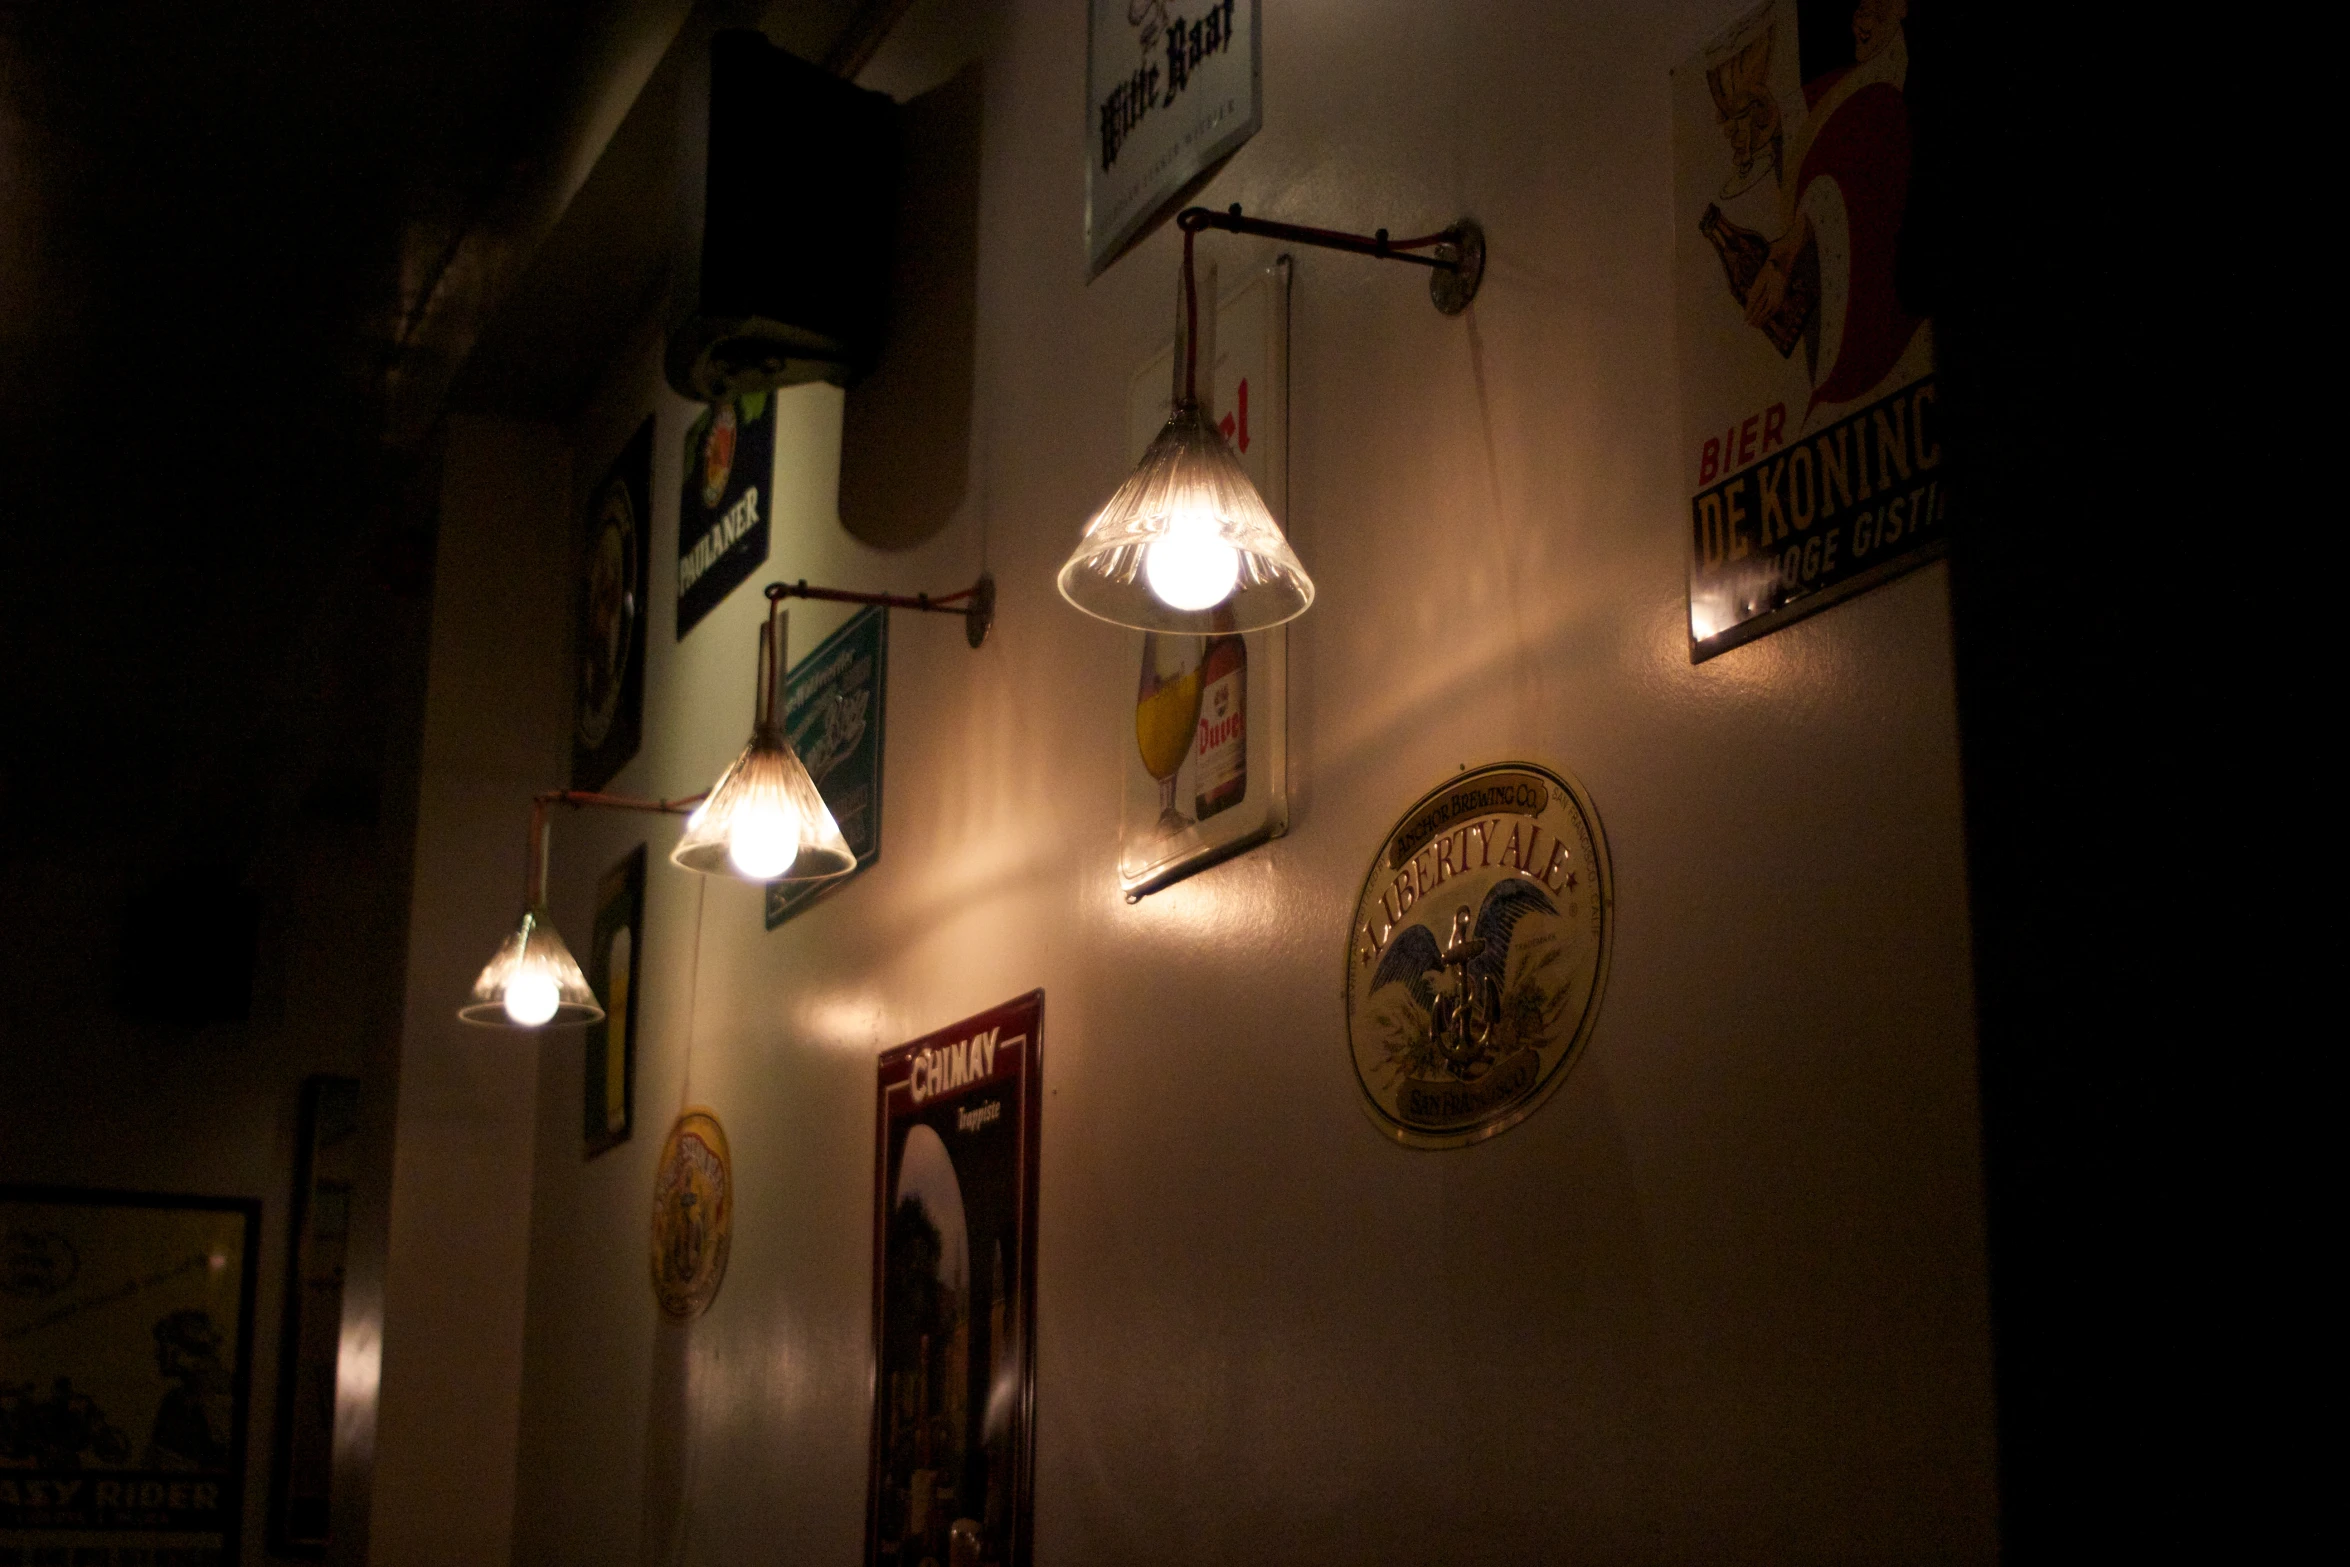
[1166, 713]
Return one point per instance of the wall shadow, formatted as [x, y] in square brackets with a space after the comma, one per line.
[906, 431]
[668, 1492]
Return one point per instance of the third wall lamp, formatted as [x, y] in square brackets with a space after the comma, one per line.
[1187, 544]
[763, 820]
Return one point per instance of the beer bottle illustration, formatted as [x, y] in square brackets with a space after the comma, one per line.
[1744, 254]
[1166, 711]
[1220, 778]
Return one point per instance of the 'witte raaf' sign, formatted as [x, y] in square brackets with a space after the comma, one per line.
[1173, 86]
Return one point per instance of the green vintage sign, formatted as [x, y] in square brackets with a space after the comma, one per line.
[833, 709]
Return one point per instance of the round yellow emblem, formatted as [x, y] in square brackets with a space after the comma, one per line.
[1478, 954]
[693, 1214]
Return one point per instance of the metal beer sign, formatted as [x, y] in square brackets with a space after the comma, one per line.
[1812, 439]
[1478, 953]
[832, 710]
[724, 503]
[1175, 87]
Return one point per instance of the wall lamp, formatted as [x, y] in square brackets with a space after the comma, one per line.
[1187, 544]
[762, 821]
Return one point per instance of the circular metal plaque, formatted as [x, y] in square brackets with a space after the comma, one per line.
[693, 1215]
[1478, 954]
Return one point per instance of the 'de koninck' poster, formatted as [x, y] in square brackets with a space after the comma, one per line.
[1812, 445]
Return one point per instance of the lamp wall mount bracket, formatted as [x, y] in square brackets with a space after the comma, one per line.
[976, 603]
[1455, 256]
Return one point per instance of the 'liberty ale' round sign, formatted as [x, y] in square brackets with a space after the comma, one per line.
[1478, 954]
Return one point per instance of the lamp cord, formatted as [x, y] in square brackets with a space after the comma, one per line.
[693, 996]
[1190, 326]
[534, 873]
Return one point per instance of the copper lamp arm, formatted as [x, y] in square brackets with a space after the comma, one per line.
[534, 882]
[1456, 256]
[976, 603]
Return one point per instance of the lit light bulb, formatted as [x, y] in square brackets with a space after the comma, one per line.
[1190, 566]
[532, 981]
[531, 997]
[764, 840]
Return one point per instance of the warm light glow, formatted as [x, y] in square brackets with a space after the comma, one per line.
[764, 839]
[358, 1374]
[1190, 566]
[531, 997]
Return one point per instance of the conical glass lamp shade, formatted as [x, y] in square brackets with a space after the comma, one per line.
[765, 821]
[533, 982]
[1186, 545]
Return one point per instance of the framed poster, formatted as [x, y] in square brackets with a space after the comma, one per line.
[1174, 86]
[608, 722]
[833, 708]
[1205, 762]
[723, 506]
[126, 1328]
[301, 1493]
[954, 1294]
[1811, 438]
[615, 960]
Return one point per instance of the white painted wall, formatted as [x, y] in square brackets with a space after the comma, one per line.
[446, 1390]
[1721, 1299]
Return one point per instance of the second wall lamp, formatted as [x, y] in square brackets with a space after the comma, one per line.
[763, 819]
[1187, 544]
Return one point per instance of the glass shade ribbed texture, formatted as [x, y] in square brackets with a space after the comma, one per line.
[539, 969]
[764, 821]
[1189, 495]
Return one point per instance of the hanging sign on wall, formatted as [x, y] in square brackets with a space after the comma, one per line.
[615, 960]
[1478, 954]
[723, 503]
[1812, 439]
[609, 715]
[1174, 86]
[1206, 759]
[126, 1349]
[693, 1215]
[954, 1293]
[833, 703]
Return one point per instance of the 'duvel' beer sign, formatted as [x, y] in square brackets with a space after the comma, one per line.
[1478, 953]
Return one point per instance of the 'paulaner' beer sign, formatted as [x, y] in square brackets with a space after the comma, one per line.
[1478, 953]
[724, 503]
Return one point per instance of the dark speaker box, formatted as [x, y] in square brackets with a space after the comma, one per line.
[784, 231]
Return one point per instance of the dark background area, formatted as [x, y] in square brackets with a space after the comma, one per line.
[2121, 966]
[218, 227]
[241, 248]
